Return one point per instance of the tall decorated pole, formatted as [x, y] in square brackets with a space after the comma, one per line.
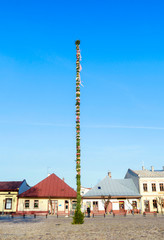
[78, 216]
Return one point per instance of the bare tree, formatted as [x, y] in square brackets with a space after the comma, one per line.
[160, 202]
[105, 201]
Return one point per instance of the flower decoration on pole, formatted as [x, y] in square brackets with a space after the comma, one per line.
[78, 216]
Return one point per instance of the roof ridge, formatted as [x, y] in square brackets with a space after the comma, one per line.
[51, 186]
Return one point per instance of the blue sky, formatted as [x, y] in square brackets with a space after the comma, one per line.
[122, 117]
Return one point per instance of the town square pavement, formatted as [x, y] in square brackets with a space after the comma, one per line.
[114, 228]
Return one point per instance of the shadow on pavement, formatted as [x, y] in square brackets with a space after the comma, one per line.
[20, 219]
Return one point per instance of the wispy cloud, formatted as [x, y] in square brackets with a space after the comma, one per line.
[50, 124]
[124, 127]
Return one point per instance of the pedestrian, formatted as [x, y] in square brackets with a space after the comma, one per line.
[88, 211]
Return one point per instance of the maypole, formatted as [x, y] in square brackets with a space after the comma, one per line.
[78, 216]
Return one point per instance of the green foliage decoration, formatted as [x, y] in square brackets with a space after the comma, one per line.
[78, 217]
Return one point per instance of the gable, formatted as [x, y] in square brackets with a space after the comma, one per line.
[52, 186]
[23, 187]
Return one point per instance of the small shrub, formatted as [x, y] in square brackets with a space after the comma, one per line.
[78, 217]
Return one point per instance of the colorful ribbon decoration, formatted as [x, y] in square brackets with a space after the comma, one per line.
[78, 83]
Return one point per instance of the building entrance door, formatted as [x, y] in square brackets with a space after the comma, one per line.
[66, 207]
[53, 207]
[121, 206]
[95, 207]
[147, 206]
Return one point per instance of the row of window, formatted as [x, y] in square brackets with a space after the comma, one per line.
[8, 203]
[155, 202]
[95, 204]
[27, 203]
[153, 186]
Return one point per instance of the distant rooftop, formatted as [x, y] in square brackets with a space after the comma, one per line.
[149, 173]
[10, 185]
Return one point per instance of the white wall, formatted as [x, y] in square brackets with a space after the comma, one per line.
[115, 204]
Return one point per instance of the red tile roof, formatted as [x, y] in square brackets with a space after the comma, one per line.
[52, 186]
[10, 186]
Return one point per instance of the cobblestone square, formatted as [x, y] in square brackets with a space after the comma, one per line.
[114, 228]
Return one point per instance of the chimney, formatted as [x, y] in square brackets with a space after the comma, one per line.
[109, 174]
[63, 179]
[152, 168]
[143, 168]
[49, 174]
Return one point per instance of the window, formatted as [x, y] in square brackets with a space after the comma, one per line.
[161, 186]
[36, 203]
[134, 204]
[145, 187]
[8, 203]
[121, 205]
[74, 203]
[147, 207]
[95, 204]
[154, 203]
[27, 203]
[153, 187]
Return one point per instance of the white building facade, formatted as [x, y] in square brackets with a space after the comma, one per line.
[115, 205]
[112, 196]
[150, 184]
